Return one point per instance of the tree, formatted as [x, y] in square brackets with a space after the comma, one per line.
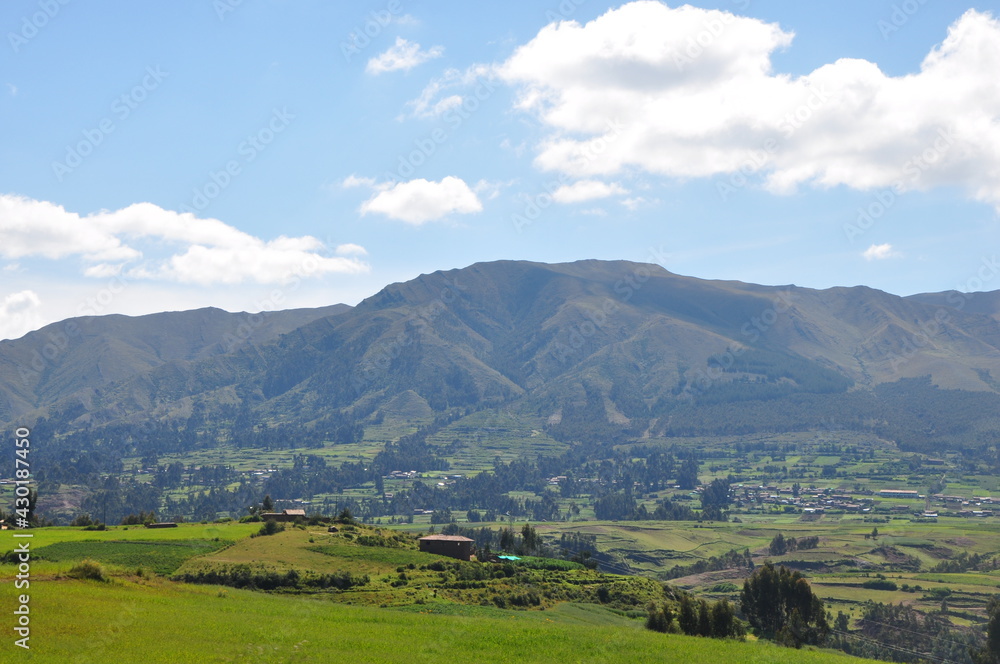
[687, 478]
[990, 652]
[724, 621]
[715, 499]
[268, 505]
[660, 619]
[531, 540]
[780, 605]
[778, 546]
[687, 619]
[704, 619]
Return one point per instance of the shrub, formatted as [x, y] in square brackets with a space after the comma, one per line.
[88, 569]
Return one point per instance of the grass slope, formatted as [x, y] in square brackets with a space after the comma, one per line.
[160, 621]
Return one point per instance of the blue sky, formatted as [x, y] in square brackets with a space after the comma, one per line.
[268, 154]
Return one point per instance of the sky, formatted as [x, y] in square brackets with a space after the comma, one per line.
[271, 154]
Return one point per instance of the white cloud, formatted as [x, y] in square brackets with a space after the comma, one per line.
[419, 201]
[19, 314]
[350, 249]
[634, 203]
[13, 89]
[477, 79]
[878, 252]
[403, 55]
[689, 92]
[210, 250]
[586, 190]
[352, 181]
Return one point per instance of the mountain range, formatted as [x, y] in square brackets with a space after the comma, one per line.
[611, 345]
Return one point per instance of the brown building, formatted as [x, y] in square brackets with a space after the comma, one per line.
[453, 546]
[284, 515]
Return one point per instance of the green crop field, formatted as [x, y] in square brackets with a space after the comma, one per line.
[152, 622]
[162, 557]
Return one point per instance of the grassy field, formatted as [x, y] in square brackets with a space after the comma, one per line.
[156, 621]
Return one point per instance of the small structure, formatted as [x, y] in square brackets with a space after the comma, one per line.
[284, 515]
[453, 546]
[898, 493]
[333, 529]
[167, 524]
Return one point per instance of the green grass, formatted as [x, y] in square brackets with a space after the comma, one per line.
[159, 621]
[186, 531]
[163, 557]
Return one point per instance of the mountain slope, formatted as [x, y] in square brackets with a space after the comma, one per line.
[79, 356]
[622, 343]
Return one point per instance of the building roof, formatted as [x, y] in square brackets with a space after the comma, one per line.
[446, 538]
[295, 512]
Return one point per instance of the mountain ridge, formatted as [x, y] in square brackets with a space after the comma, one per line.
[632, 340]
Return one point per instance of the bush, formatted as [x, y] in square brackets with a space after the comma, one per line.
[879, 584]
[88, 569]
[270, 527]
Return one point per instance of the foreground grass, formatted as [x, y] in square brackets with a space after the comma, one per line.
[159, 621]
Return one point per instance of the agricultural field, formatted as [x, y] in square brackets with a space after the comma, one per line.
[130, 615]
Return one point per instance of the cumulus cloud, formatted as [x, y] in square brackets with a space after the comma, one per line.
[442, 93]
[351, 250]
[352, 181]
[19, 314]
[419, 201]
[878, 252]
[586, 190]
[403, 55]
[690, 92]
[210, 251]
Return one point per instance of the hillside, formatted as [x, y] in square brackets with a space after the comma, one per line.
[130, 613]
[591, 346]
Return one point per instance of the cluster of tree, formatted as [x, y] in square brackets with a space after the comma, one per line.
[139, 519]
[900, 633]
[914, 412]
[780, 545]
[732, 559]
[965, 562]
[696, 617]
[780, 605]
[989, 652]
[259, 578]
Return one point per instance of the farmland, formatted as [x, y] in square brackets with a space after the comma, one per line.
[147, 617]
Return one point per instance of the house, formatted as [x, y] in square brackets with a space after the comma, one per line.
[284, 515]
[898, 493]
[453, 546]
